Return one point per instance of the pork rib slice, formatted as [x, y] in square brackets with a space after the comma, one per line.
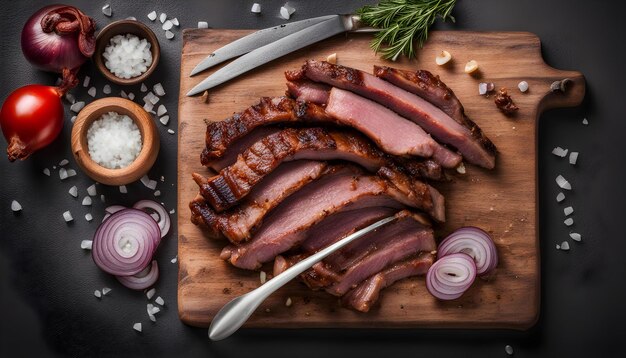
[234, 182]
[366, 294]
[408, 105]
[220, 135]
[240, 222]
[308, 91]
[239, 146]
[346, 189]
[431, 88]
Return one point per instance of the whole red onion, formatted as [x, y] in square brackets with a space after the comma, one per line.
[58, 37]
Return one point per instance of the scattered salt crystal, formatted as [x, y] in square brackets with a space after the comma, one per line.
[152, 16]
[461, 168]
[256, 8]
[150, 293]
[144, 88]
[169, 35]
[569, 222]
[15, 206]
[288, 302]
[71, 172]
[73, 119]
[560, 197]
[152, 317]
[86, 244]
[284, 13]
[97, 293]
[70, 98]
[62, 173]
[523, 86]
[568, 211]
[164, 120]
[88, 217]
[123, 94]
[573, 158]
[172, 211]
[105, 290]
[63, 162]
[91, 190]
[114, 140]
[123, 189]
[161, 110]
[106, 10]
[558, 247]
[102, 198]
[508, 349]
[203, 25]
[155, 310]
[482, 88]
[148, 107]
[565, 246]
[162, 17]
[585, 121]
[167, 25]
[158, 89]
[159, 301]
[157, 193]
[152, 184]
[263, 277]
[151, 98]
[106, 89]
[137, 327]
[174, 260]
[127, 56]
[46, 171]
[559, 152]
[144, 180]
[86, 81]
[162, 178]
[73, 191]
[562, 183]
[175, 22]
[575, 236]
[86, 201]
[67, 216]
[170, 131]
[131, 96]
[92, 91]
[76, 107]
[54, 167]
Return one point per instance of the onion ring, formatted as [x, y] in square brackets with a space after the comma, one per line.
[474, 242]
[450, 276]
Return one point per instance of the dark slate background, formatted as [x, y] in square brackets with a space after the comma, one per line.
[47, 281]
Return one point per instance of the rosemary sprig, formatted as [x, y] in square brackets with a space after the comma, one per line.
[403, 24]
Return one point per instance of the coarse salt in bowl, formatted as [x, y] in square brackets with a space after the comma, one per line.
[115, 141]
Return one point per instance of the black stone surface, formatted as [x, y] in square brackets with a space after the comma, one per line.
[46, 281]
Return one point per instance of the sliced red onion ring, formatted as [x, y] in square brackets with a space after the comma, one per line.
[142, 280]
[124, 244]
[474, 242]
[151, 207]
[109, 210]
[450, 276]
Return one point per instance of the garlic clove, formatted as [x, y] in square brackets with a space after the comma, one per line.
[442, 58]
[471, 66]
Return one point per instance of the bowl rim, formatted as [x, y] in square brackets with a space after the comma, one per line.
[149, 138]
[109, 31]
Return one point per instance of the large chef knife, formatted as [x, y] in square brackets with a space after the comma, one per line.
[334, 25]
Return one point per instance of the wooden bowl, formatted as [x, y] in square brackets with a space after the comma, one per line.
[149, 138]
[123, 27]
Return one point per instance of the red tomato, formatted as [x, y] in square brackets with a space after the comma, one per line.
[31, 118]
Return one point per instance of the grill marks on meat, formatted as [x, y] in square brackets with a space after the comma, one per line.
[288, 225]
[431, 88]
[220, 135]
[235, 181]
[408, 105]
[239, 223]
[366, 293]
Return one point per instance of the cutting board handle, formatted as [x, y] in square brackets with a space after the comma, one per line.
[572, 96]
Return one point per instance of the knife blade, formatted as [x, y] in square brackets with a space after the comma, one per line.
[253, 41]
[312, 34]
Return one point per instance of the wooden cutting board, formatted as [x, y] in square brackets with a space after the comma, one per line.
[502, 201]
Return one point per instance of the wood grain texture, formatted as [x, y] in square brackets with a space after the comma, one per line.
[502, 201]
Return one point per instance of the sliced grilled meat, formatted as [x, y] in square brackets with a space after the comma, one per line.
[238, 223]
[309, 91]
[366, 294]
[408, 105]
[346, 189]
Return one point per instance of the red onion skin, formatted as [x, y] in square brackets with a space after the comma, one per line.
[50, 51]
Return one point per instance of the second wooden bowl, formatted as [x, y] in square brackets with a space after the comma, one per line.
[123, 27]
[149, 139]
